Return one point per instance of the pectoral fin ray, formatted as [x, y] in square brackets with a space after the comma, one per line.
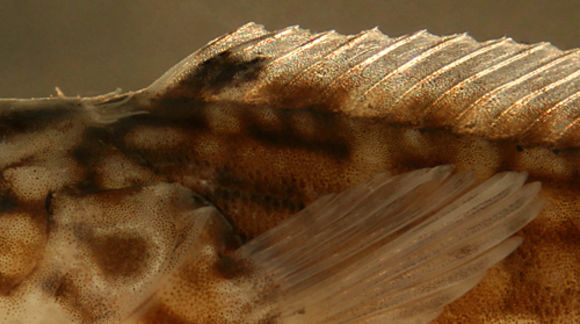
[395, 249]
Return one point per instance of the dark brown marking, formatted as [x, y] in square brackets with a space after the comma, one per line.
[30, 120]
[98, 143]
[327, 140]
[8, 284]
[118, 256]
[88, 154]
[225, 70]
[7, 202]
[161, 314]
[49, 212]
[184, 113]
[220, 71]
[229, 267]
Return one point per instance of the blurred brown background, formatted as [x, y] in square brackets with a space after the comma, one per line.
[89, 47]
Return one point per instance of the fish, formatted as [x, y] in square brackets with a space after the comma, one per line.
[298, 177]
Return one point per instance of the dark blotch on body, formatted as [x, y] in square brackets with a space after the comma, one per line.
[327, 139]
[22, 120]
[120, 256]
[160, 313]
[7, 202]
[117, 256]
[8, 284]
[230, 267]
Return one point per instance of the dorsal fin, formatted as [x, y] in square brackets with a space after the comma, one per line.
[496, 89]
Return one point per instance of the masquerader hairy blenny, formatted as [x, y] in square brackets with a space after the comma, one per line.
[291, 177]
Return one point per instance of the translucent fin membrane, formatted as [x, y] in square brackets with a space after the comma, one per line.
[393, 249]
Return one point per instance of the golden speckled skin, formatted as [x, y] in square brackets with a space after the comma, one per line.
[261, 124]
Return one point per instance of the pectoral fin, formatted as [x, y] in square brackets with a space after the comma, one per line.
[391, 250]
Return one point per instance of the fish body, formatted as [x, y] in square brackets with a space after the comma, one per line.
[259, 125]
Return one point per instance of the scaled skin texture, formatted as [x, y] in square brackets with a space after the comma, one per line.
[259, 125]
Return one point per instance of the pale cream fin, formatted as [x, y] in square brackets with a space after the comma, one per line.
[395, 249]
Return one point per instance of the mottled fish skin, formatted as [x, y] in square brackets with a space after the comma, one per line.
[261, 124]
